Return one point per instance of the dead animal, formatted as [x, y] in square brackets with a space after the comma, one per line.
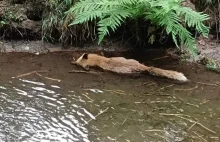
[125, 66]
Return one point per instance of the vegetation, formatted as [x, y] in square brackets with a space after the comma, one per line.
[211, 64]
[55, 23]
[212, 8]
[88, 18]
[54, 18]
[169, 14]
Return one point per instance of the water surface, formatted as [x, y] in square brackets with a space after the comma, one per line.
[104, 107]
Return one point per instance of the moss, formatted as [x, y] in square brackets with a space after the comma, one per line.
[211, 64]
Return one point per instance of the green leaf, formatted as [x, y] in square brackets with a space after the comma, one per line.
[168, 14]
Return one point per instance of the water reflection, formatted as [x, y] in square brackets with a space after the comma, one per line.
[33, 111]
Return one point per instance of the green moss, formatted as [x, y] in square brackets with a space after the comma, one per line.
[211, 64]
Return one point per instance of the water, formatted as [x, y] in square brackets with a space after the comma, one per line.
[32, 111]
[105, 107]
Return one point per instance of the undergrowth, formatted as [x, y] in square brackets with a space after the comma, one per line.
[211, 7]
[90, 18]
[211, 64]
[169, 14]
[55, 23]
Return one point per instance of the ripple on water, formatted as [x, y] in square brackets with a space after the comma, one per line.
[34, 111]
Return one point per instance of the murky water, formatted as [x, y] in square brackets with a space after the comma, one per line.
[33, 111]
[105, 107]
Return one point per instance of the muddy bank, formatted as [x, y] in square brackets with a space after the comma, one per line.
[207, 48]
[40, 46]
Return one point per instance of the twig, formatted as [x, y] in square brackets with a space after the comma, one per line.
[101, 112]
[209, 84]
[192, 125]
[161, 58]
[189, 89]
[166, 87]
[192, 104]
[137, 106]
[152, 102]
[204, 102]
[29, 73]
[58, 80]
[162, 88]
[120, 92]
[37, 73]
[91, 100]
[174, 114]
[142, 102]
[78, 71]
[198, 124]
[216, 138]
[190, 120]
[143, 84]
[26, 74]
[124, 120]
[200, 136]
[185, 102]
[154, 130]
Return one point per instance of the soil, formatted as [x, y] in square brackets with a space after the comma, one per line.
[209, 47]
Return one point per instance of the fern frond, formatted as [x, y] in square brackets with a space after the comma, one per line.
[166, 13]
[88, 11]
[172, 23]
[193, 18]
[112, 22]
[86, 16]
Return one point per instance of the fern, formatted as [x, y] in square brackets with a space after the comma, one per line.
[164, 13]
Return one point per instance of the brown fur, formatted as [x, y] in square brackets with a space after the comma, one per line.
[126, 66]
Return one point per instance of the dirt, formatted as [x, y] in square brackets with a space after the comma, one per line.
[208, 47]
[15, 24]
